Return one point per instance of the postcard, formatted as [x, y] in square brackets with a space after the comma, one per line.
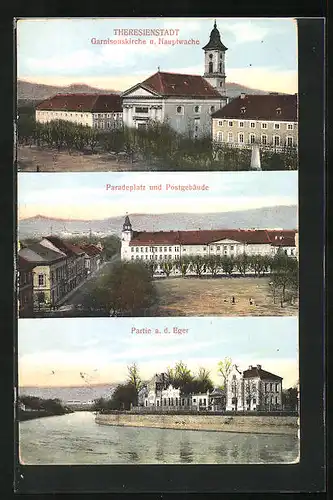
[156, 94]
[132, 245]
[103, 391]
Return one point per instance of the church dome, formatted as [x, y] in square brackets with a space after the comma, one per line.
[215, 40]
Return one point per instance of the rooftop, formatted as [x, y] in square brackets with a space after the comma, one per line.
[270, 107]
[93, 103]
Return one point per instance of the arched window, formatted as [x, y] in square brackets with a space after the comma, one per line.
[210, 69]
[210, 56]
[212, 109]
[220, 84]
[220, 67]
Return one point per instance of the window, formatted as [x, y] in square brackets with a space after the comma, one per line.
[276, 140]
[220, 136]
[196, 109]
[242, 110]
[230, 124]
[140, 109]
[278, 111]
[146, 249]
[194, 400]
[290, 126]
[132, 258]
[241, 124]
[41, 279]
[220, 84]
[164, 401]
[271, 386]
[253, 125]
[161, 257]
[289, 141]
[252, 138]
[218, 248]
[212, 109]
[230, 137]
[276, 400]
[136, 249]
[232, 247]
[210, 67]
[220, 123]
[170, 249]
[142, 249]
[205, 249]
[264, 140]
[241, 138]
[276, 126]
[157, 403]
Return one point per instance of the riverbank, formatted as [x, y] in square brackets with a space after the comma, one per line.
[240, 424]
[30, 415]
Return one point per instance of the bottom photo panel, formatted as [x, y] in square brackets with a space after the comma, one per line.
[157, 391]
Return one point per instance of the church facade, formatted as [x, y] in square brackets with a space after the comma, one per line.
[174, 245]
[184, 102]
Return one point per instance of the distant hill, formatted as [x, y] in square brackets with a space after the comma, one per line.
[82, 393]
[27, 91]
[284, 217]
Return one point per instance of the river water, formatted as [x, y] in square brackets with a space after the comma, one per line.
[77, 439]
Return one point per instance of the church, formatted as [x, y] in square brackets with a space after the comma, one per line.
[185, 102]
[174, 245]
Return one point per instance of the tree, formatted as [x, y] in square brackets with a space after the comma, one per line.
[242, 262]
[167, 266]
[224, 368]
[257, 264]
[227, 264]
[284, 276]
[123, 397]
[127, 290]
[213, 264]
[198, 265]
[290, 399]
[183, 265]
[203, 380]
[133, 379]
[151, 266]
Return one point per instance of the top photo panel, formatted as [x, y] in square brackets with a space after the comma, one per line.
[156, 94]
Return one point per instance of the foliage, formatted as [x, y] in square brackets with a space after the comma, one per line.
[242, 263]
[134, 380]
[127, 290]
[157, 145]
[284, 278]
[53, 406]
[224, 368]
[290, 399]
[198, 265]
[167, 266]
[183, 265]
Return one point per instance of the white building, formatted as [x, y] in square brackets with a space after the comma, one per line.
[101, 111]
[253, 389]
[185, 102]
[270, 121]
[174, 245]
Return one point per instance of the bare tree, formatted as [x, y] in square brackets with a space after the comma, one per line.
[224, 368]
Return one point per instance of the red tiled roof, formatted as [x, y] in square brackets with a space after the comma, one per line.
[94, 103]
[64, 246]
[91, 250]
[261, 107]
[175, 84]
[208, 236]
[255, 372]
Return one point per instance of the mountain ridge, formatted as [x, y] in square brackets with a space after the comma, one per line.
[30, 91]
[282, 217]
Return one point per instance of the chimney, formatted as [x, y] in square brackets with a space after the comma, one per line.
[259, 367]
[242, 96]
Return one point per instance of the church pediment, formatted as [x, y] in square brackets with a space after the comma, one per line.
[139, 91]
[226, 241]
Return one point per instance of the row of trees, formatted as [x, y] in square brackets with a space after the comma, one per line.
[158, 145]
[214, 265]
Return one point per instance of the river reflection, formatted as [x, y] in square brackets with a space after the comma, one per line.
[77, 439]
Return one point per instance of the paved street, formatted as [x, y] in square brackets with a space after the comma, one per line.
[77, 297]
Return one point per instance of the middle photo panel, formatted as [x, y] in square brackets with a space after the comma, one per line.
[159, 245]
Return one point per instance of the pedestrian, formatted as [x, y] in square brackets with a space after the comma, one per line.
[251, 301]
[233, 300]
[37, 168]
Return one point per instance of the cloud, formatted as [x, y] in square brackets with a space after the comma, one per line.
[268, 79]
[246, 31]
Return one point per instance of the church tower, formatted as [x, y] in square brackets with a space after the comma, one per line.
[126, 236]
[215, 62]
[127, 231]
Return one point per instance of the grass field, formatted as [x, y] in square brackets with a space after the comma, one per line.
[50, 160]
[213, 297]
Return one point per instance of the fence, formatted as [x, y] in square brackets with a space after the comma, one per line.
[138, 410]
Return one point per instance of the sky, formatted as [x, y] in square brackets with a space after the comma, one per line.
[85, 195]
[262, 53]
[53, 352]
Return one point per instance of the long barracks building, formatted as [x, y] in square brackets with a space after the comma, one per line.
[172, 245]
